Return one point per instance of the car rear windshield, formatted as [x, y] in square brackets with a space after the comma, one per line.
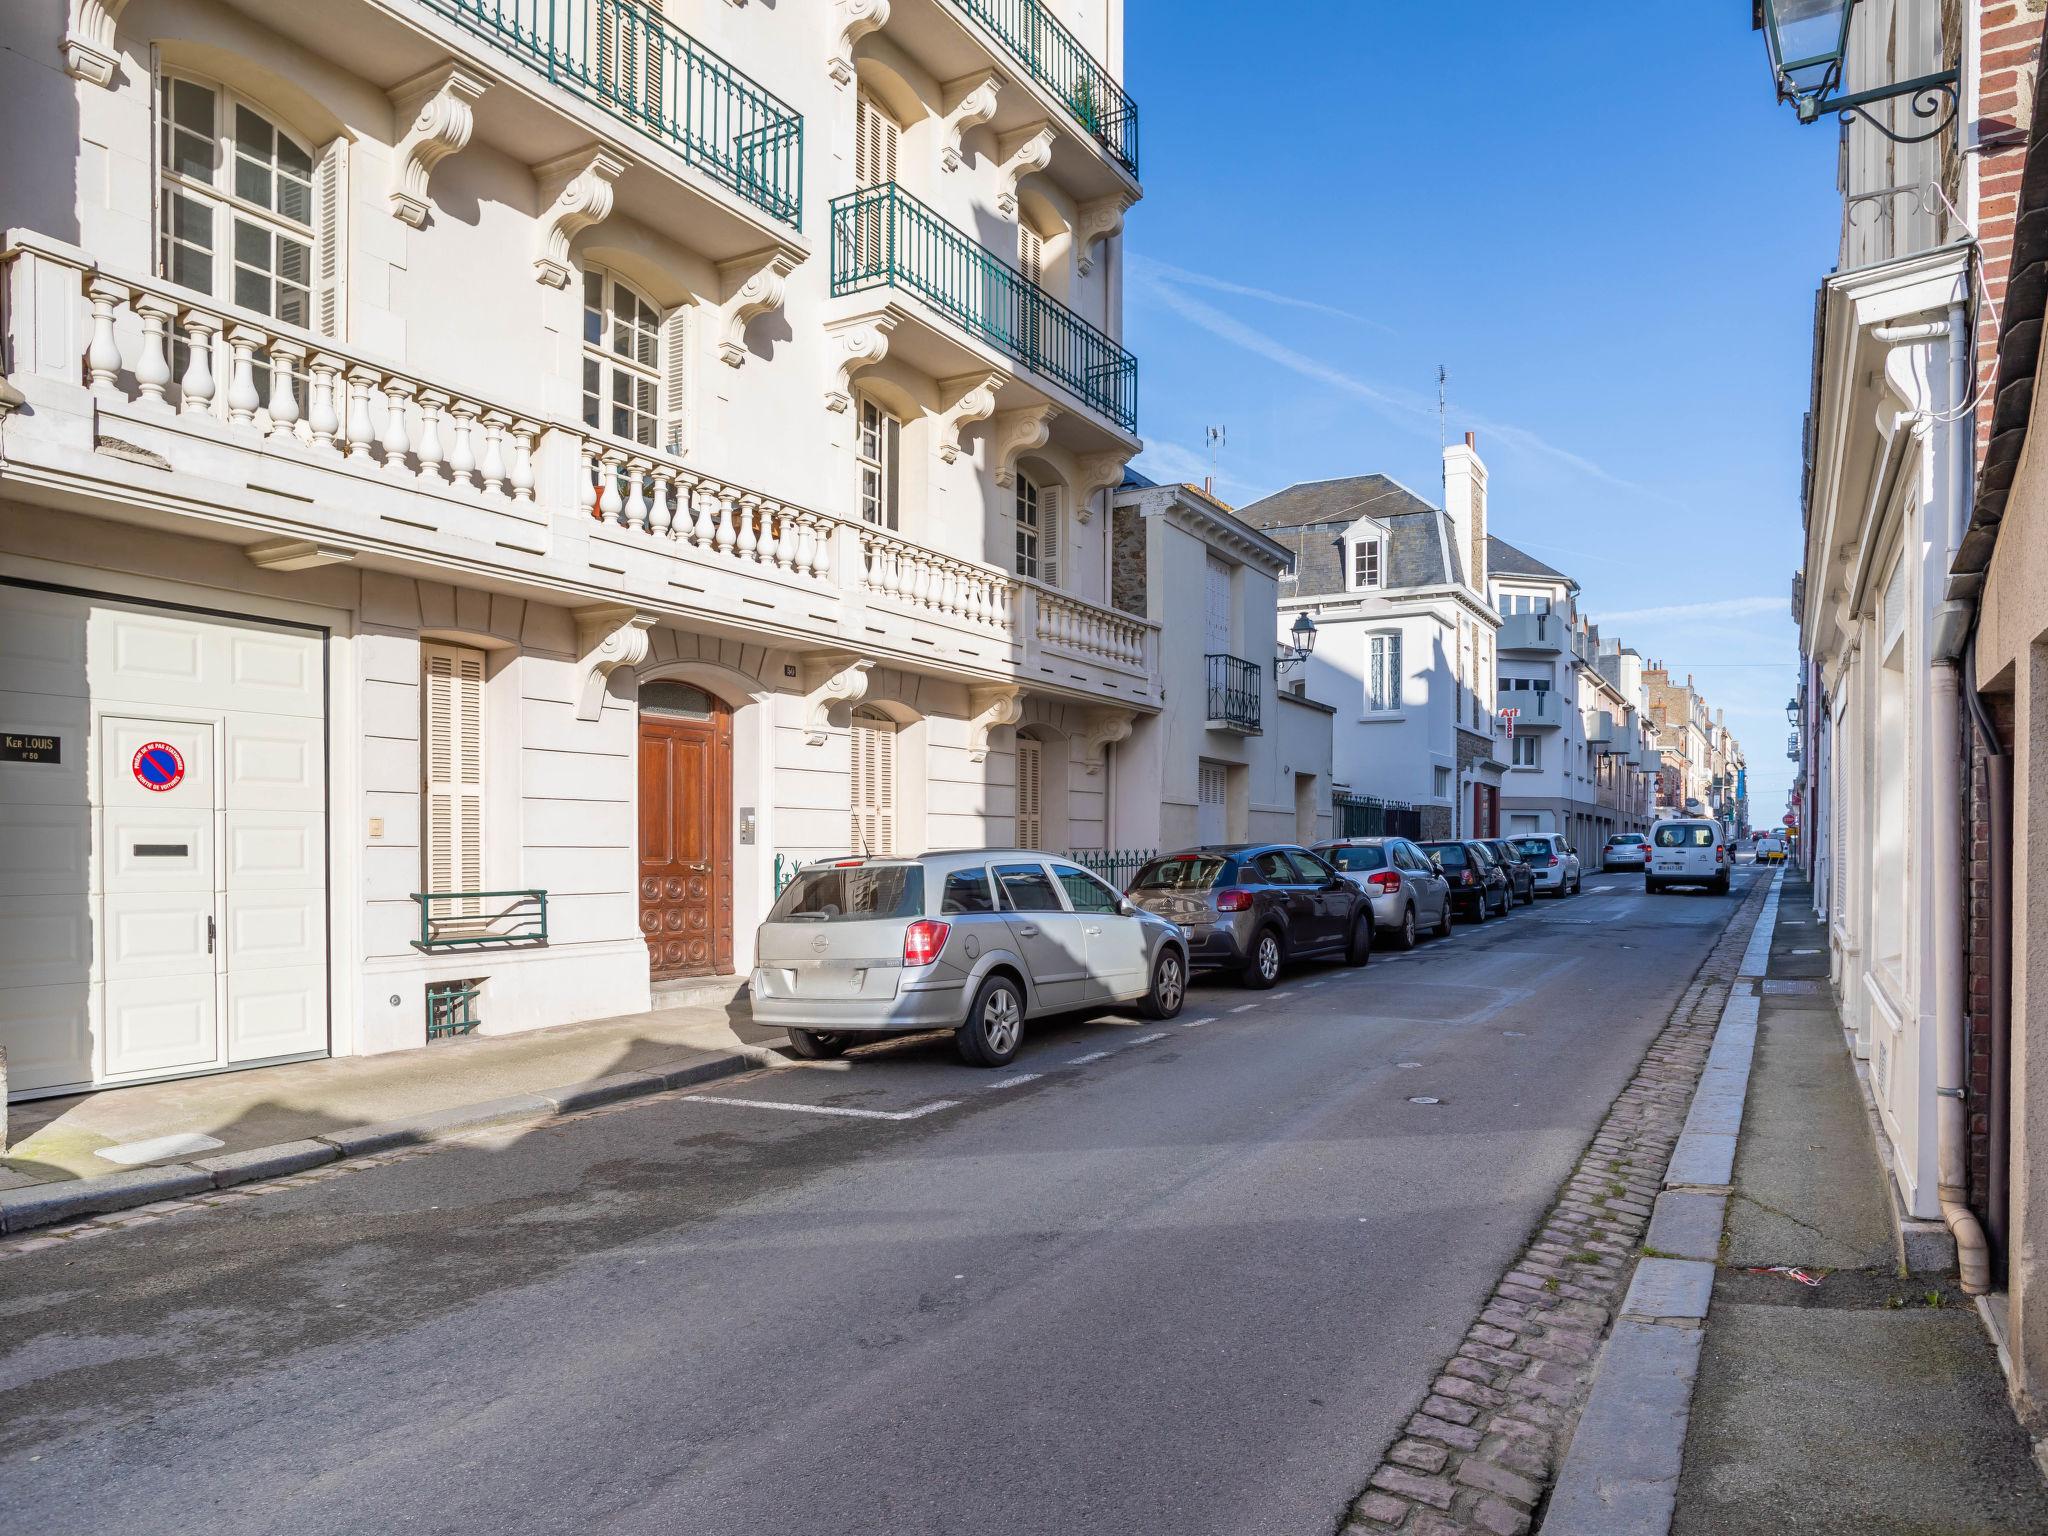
[1356, 860]
[1535, 847]
[1181, 872]
[1624, 839]
[1691, 834]
[1447, 853]
[832, 895]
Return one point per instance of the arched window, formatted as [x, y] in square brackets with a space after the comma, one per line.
[242, 207]
[874, 782]
[1038, 530]
[622, 377]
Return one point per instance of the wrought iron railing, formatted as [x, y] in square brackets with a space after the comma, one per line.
[882, 236]
[1119, 866]
[473, 919]
[1234, 689]
[1055, 58]
[1370, 816]
[624, 56]
[451, 1009]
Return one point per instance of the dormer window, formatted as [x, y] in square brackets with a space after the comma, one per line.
[1366, 564]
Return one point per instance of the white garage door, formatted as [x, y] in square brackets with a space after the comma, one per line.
[165, 856]
[1211, 810]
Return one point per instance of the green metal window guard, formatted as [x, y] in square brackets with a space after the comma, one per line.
[644, 70]
[451, 1009]
[1234, 688]
[474, 919]
[1054, 57]
[882, 236]
[1119, 866]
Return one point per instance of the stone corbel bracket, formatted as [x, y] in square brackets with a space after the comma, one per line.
[608, 636]
[436, 109]
[972, 101]
[1012, 433]
[855, 344]
[1103, 727]
[1023, 152]
[575, 193]
[1100, 220]
[750, 285]
[852, 20]
[987, 709]
[89, 40]
[831, 678]
[1097, 472]
[974, 399]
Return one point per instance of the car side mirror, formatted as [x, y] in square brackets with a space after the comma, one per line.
[1125, 907]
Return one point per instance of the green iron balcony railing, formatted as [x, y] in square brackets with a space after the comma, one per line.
[1054, 57]
[882, 236]
[469, 919]
[626, 58]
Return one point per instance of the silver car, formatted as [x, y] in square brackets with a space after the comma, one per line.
[976, 942]
[1551, 860]
[1407, 890]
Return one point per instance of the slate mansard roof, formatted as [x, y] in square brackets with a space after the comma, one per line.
[1503, 559]
[1310, 519]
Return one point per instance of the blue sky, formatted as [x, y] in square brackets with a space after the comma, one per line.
[1594, 215]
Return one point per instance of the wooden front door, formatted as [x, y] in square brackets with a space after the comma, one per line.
[685, 831]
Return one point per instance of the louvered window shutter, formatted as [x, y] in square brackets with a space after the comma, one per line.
[330, 212]
[874, 144]
[885, 787]
[1030, 255]
[675, 378]
[453, 764]
[873, 786]
[1049, 530]
[1030, 817]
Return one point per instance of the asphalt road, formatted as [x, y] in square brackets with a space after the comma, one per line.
[1192, 1285]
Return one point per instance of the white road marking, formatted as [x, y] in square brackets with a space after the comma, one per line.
[1244, 1007]
[827, 1109]
[1012, 1082]
[1082, 1061]
[1197, 1023]
[1148, 1039]
[1278, 995]
[130, 1154]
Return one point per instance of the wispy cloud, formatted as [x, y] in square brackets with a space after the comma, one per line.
[1724, 608]
[1150, 270]
[1176, 462]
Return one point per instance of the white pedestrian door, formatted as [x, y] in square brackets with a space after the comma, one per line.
[1211, 816]
[1216, 609]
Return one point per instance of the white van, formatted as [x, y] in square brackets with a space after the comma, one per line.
[1687, 850]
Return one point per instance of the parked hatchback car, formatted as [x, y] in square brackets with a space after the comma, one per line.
[1551, 859]
[1687, 850]
[976, 942]
[1407, 891]
[1624, 850]
[1252, 907]
[1521, 878]
[1479, 886]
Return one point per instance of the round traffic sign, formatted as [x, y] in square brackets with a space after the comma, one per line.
[158, 766]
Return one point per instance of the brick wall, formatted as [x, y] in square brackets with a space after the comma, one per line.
[2009, 49]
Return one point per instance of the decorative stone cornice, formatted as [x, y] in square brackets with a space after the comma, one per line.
[852, 20]
[987, 708]
[89, 40]
[1018, 432]
[1020, 153]
[971, 101]
[1097, 472]
[1098, 221]
[1102, 727]
[831, 678]
[608, 636]
[751, 285]
[855, 344]
[434, 111]
[974, 399]
[575, 193]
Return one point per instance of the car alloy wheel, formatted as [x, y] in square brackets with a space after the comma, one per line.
[1264, 969]
[1000, 1022]
[1169, 986]
[1407, 937]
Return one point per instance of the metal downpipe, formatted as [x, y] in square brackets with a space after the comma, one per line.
[1973, 1254]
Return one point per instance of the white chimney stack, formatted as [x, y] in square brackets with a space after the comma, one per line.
[1465, 502]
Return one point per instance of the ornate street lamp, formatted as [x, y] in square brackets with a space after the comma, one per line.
[1792, 713]
[1808, 43]
[1302, 634]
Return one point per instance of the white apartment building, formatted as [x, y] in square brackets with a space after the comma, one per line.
[1235, 753]
[483, 483]
[1407, 637]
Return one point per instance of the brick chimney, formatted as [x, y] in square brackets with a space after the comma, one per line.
[1465, 502]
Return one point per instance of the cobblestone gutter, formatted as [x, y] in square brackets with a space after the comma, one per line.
[1479, 1453]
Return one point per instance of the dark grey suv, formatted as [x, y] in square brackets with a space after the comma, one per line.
[1479, 886]
[1252, 907]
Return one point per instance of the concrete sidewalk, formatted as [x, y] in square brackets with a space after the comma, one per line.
[63, 1139]
[1872, 1402]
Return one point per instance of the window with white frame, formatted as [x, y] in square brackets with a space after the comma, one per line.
[1440, 782]
[622, 379]
[1528, 752]
[1366, 563]
[879, 453]
[1383, 673]
[1038, 530]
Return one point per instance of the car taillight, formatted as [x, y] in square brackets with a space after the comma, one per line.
[1550, 861]
[1385, 880]
[923, 940]
[1717, 853]
[1231, 899]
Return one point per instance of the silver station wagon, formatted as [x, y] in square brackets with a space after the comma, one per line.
[977, 942]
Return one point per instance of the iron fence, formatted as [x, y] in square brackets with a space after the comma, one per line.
[1370, 816]
[1119, 866]
[474, 919]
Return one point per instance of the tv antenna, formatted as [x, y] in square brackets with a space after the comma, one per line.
[1443, 436]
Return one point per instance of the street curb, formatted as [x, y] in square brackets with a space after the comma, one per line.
[43, 1205]
[1620, 1476]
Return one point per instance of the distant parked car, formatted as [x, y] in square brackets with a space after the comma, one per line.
[1625, 850]
[976, 942]
[1479, 886]
[1406, 890]
[1769, 849]
[1553, 862]
[1687, 850]
[1521, 878]
[1252, 907]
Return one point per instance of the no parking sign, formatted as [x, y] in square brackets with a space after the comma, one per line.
[158, 766]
